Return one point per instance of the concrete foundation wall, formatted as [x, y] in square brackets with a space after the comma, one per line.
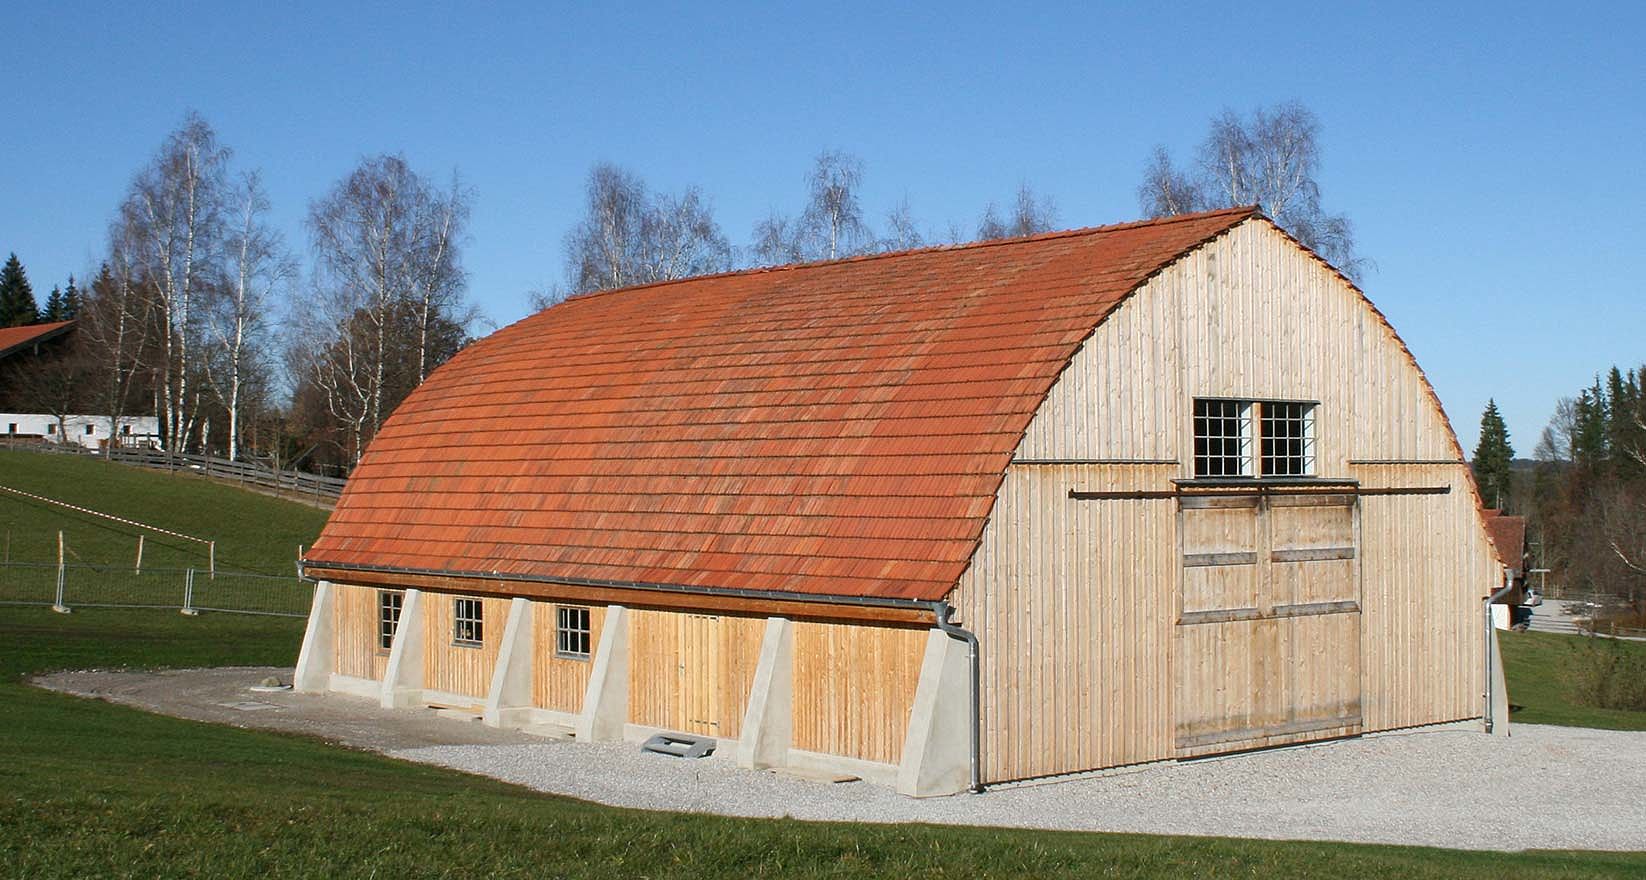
[934, 754]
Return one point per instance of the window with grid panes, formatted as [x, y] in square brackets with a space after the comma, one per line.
[571, 632]
[1253, 438]
[388, 616]
[1288, 444]
[1222, 438]
[467, 623]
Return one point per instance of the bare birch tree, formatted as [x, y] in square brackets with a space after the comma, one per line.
[1031, 214]
[1166, 191]
[1272, 160]
[902, 232]
[172, 226]
[630, 236]
[258, 268]
[118, 320]
[832, 223]
[388, 292]
[775, 242]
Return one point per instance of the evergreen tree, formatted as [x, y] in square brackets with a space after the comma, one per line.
[71, 301]
[17, 306]
[54, 307]
[1589, 438]
[1493, 457]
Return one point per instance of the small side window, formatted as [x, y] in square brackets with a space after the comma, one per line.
[388, 616]
[467, 623]
[571, 632]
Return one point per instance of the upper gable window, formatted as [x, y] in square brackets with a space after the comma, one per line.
[1236, 439]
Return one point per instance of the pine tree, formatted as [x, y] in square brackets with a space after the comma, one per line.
[54, 307]
[17, 306]
[71, 301]
[1589, 432]
[1493, 457]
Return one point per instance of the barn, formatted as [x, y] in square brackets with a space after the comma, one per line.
[938, 519]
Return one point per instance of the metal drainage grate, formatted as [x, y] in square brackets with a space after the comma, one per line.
[679, 745]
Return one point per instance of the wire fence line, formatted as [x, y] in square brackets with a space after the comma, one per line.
[186, 589]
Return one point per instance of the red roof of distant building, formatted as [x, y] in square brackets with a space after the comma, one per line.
[15, 338]
[835, 429]
[1508, 535]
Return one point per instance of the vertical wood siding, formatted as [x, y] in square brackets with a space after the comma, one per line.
[1075, 601]
[1426, 568]
[354, 630]
[854, 688]
[1073, 604]
[558, 683]
[460, 669]
[692, 672]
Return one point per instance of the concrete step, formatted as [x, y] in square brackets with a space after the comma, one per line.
[549, 731]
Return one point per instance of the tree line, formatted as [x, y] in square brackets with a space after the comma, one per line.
[1585, 496]
[200, 313]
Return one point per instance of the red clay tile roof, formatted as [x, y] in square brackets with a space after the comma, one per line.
[1508, 535]
[13, 338]
[833, 429]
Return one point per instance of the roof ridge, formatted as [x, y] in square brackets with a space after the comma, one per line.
[1239, 210]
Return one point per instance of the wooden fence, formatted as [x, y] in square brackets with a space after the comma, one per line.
[298, 485]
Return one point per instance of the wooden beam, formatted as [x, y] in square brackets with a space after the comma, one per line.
[710, 603]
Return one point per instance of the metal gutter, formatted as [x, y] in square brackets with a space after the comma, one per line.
[1508, 586]
[942, 610]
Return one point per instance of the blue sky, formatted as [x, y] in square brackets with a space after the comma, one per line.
[1490, 157]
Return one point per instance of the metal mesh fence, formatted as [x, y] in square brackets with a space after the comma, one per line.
[108, 586]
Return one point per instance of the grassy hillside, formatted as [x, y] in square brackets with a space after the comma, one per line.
[97, 790]
[1534, 667]
[253, 532]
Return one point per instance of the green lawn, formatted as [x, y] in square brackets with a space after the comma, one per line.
[1533, 664]
[93, 789]
[253, 532]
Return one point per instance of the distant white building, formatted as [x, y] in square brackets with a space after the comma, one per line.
[88, 431]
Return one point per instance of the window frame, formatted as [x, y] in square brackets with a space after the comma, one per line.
[390, 603]
[1256, 457]
[468, 630]
[568, 634]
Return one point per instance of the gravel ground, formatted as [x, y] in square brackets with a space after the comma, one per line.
[1542, 788]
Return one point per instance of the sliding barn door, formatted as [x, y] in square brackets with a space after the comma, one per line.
[1267, 642]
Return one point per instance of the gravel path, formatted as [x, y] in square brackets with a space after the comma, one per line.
[1553, 787]
[1542, 788]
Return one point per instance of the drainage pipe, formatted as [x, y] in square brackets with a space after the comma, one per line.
[941, 610]
[1508, 585]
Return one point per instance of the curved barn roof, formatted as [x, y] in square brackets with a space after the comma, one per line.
[833, 429]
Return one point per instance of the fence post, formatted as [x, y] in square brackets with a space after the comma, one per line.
[188, 594]
[138, 569]
[58, 605]
[211, 558]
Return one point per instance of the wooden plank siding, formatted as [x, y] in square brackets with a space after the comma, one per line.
[854, 688]
[1427, 566]
[559, 683]
[1075, 600]
[1074, 623]
[692, 672]
[354, 633]
[454, 668]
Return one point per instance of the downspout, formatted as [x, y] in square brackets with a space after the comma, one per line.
[1508, 585]
[941, 610]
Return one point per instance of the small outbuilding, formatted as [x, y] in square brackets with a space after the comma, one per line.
[939, 518]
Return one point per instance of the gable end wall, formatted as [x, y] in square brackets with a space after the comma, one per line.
[1075, 601]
